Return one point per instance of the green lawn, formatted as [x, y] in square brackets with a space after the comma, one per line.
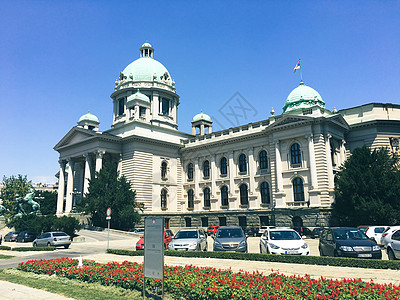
[68, 288]
[5, 256]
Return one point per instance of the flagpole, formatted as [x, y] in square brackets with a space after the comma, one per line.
[301, 71]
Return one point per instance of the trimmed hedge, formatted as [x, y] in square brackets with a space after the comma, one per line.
[33, 249]
[5, 248]
[291, 259]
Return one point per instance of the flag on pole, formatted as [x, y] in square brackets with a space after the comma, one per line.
[296, 67]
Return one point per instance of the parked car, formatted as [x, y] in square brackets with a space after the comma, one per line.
[347, 242]
[393, 247]
[138, 231]
[262, 229]
[168, 235]
[230, 238]
[316, 233]
[374, 232]
[250, 231]
[11, 236]
[189, 240]
[53, 239]
[212, 230]
[283, 241]
[386, 235]
[303, 231]
[25, 236]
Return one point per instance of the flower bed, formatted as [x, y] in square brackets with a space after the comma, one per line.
[192, 282]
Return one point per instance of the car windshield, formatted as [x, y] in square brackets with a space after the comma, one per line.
[59, 234]
[187, 235]
[230, 233]
[284, 235]
[349, 234]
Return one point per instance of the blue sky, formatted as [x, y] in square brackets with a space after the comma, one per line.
[60, 59]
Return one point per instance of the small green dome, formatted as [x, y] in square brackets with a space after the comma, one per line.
[138, 96]
[89, 117]
[302, 97]
[201, 116]
[146, 45]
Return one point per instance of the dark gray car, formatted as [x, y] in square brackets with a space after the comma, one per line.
[54, 239]
[230, 238]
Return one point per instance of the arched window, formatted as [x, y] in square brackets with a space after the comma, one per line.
[163, 198]
[265, 193]
[190, 171]
[298, 189]
[244, 195]
[206, 169]
[295, 154]
[263, 159]
[224, 196]
[190, 199]
[206, 193]
[242, 163]
[163, 170]
[223, 167]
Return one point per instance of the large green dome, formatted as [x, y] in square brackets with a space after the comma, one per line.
[302, 97]
[146, 68]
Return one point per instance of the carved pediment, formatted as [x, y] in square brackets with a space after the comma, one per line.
[289, 120]
[74, 136]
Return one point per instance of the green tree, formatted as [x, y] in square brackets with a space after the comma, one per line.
[47, 201]
[14, 185]
[367, 189]
[108, 189]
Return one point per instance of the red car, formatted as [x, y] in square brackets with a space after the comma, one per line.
[212, 230]
[168, 235]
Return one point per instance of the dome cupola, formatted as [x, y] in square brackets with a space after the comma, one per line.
[302, 97]
[201, 121]
[146, 50]
[89, 121]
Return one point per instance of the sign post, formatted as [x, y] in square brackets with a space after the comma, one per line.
[108, 218]
[153, 250]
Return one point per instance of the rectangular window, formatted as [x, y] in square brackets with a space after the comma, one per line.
[142, 111]
[165, 106]
[222, 221]
[264, 221]
[243, 222]
[204, 222]
[166, 220]
[121, 106]
[188, 222]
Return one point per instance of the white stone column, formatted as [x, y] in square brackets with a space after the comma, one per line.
[213, 176]
[278, 167]
[342, 152]
[99, 160]
[252, 170]
[88, 173]
[154, 106]
[196, 177]
[70, 186]
[202, 129]
[313, 166]
[232, 174]
[119, 166]
[329, 161]
[61, 188]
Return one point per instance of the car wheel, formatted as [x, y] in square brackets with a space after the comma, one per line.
[390, 254]
[34, 245]
[23, 240]
[48, 244]
[321, 253]
[66, 246]
[335, 254]
[206, 247]
[261, 249]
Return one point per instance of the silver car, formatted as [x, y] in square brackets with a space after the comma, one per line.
[53, 239]
[230, 238]
[189, 240]
[393, 247]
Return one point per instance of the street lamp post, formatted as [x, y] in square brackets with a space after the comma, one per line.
[75, 194]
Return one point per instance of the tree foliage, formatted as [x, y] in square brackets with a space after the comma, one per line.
[108, 190]
[367, 189]
[47, 201]
[14, 185]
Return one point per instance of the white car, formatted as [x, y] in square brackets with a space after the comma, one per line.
[387, 234]
[263, 228]
[283, 241]
[374, 232]
[393, 247]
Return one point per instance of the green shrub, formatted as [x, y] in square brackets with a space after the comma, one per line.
[292, 259]
[21, 249]
[5, 248]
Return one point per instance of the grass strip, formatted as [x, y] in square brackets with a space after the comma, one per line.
[67, 287]
[2, 256]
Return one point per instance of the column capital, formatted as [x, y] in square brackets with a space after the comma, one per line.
[86, 155]
[62, 162]
[309, 136]
[100, 153]
[70, 161]
[328, 136]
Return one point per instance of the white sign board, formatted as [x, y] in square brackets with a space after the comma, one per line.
[154, 247]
